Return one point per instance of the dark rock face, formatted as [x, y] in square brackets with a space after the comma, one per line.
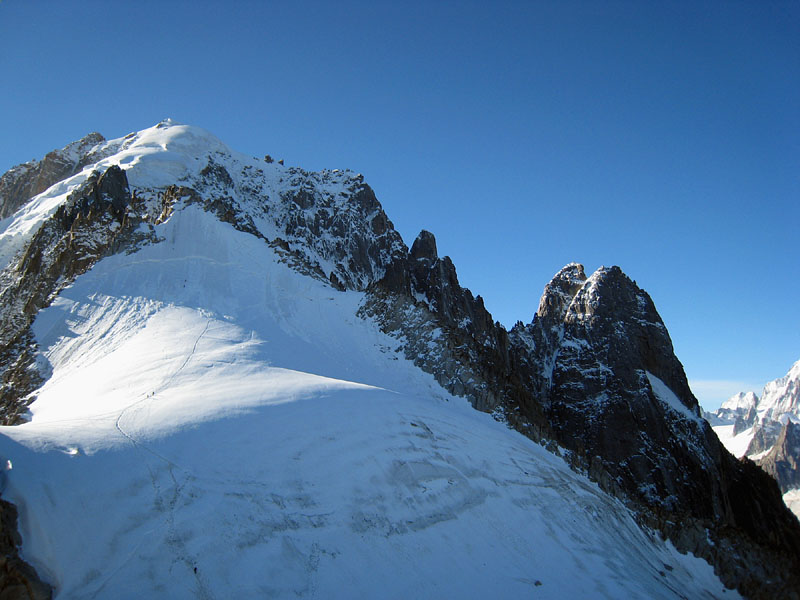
[611, 342]
[314, 220]
[424, 248]
[537, 345]
[765, 435]
[343, 236]
[745, 422]
[783, 460]
[25, 181]
[18, 580]
[619, 401]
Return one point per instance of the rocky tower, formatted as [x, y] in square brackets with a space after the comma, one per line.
[617, 399]
[593, 376]
[783, 459]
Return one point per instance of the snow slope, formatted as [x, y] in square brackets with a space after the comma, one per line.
[217, 425]
[735, 444]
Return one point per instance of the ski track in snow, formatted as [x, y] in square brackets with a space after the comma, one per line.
[153, 395]
[180, 551]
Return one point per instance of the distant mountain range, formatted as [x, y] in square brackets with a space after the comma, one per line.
[224, 376]
[766, 429]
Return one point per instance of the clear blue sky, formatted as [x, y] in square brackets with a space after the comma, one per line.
[663, 137]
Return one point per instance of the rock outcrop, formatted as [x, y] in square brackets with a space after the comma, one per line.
[765, 434]
[18, 580]
[744, 422]
[783, 459]
[611, 368]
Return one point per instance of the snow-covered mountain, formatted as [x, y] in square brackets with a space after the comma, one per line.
[223, 376]
[766, 429]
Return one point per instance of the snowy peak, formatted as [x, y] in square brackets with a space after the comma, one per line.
[741, 402]
[780, 399]
[328, 223]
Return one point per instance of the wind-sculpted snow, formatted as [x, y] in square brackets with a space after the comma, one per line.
[219, 426]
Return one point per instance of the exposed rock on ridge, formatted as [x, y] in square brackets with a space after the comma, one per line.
[783, 459]
[448, 332]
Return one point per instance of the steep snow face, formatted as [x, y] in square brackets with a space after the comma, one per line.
[668, 398]
[735, 442]
[792, 500]
[216, 424]
[159, 299]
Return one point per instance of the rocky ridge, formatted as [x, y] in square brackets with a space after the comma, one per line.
[595, 360]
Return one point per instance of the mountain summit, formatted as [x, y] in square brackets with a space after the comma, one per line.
[226, 376]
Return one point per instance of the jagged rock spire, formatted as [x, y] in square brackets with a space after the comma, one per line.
[560, 291]
[424, 247]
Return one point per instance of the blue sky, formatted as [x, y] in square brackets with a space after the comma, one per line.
[661, 137]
